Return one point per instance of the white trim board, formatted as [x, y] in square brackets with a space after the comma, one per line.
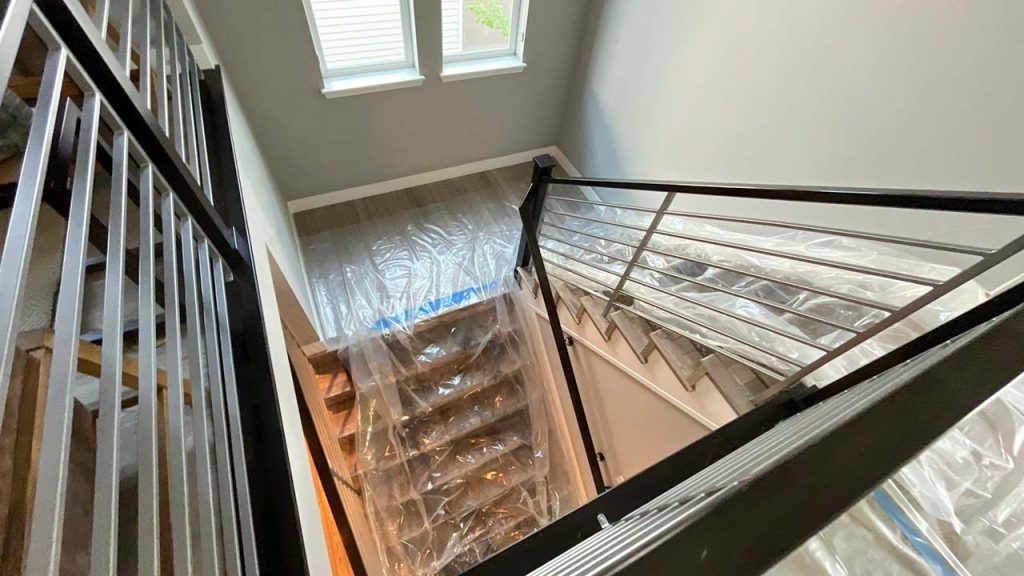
[339, 196]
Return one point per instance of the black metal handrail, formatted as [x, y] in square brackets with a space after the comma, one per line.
[786, 368]
[943, 200]
[247, 517]
[75, 28]
[785, 401]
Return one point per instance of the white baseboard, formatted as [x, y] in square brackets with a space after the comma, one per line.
[339, 196]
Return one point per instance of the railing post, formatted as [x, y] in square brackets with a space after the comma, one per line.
[12, 27]
[531, 212]
[651, 229]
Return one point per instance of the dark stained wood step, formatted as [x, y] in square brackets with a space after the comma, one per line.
[735, 380]
[636, 331]
[570, 296]
[681, 356]
[594, 307]
[527, 280]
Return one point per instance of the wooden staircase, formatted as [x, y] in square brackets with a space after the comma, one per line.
[689, 360]
[460, 462]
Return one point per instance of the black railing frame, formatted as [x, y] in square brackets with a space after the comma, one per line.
[611, 506]
[529, 249]
[91, 52]
[279, 543]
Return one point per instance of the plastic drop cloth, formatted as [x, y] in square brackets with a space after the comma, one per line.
[956, 509]
[452, 449]
[696, 279]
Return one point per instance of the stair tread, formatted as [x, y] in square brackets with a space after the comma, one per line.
[681, 355]
[571, 296]
[636, 331]
[337, 389]
[527, 279]
[326, 356]
[351, 425]
[594, 307]
[555, 283]
[463, 357]
[735, 380]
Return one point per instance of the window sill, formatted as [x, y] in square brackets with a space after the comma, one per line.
[341, 86]
[454, 71]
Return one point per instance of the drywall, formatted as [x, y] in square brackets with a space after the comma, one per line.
[314, 145]
[266, 210]
[638, 413]
[912, 94]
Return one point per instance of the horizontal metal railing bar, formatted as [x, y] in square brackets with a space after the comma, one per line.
[74, 28]
[901, 240]
[606, 204]
[806, 259]
[597, 220]
[582, 247]
[828, 293]
[777, 331]
[837, 295]
[1008, 251]
[878, 305]
[584, 262]
[670, 312]
[946, 402]
[884, 238]
[588, 234]
[757, 299]
[745, 320]
[736, 293]
[944, 200]
[753, 364]
[757, 347]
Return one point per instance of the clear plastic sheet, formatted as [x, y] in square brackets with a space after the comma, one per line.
[956, 509]
[710, 283]
[451, 450]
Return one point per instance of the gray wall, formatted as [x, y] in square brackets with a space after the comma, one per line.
[911, 94]
[315, 145]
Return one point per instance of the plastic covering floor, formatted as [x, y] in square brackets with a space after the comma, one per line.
[452, 446]
[957, 509]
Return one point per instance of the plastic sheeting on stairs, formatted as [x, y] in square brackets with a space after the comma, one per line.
[452, 444]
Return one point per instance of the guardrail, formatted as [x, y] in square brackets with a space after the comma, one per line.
[119, 91]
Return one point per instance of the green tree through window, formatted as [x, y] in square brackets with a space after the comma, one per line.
[490, 13]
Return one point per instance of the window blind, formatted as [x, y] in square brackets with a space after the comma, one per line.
[360, 33]
[451, 26]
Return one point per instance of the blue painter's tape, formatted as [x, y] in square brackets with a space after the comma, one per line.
[924, 548]
[434, 306]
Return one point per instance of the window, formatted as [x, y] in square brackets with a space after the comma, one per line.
[482, 37]
[364, 45]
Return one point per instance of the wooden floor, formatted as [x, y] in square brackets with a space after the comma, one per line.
[500, 187]
[374, 257]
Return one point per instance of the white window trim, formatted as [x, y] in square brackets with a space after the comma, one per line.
[466, 65]
[454, 71]
[350, 81]
[354, 84]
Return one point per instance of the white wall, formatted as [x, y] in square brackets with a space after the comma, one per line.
[316, 145]
[638, 412]
[908, 94]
